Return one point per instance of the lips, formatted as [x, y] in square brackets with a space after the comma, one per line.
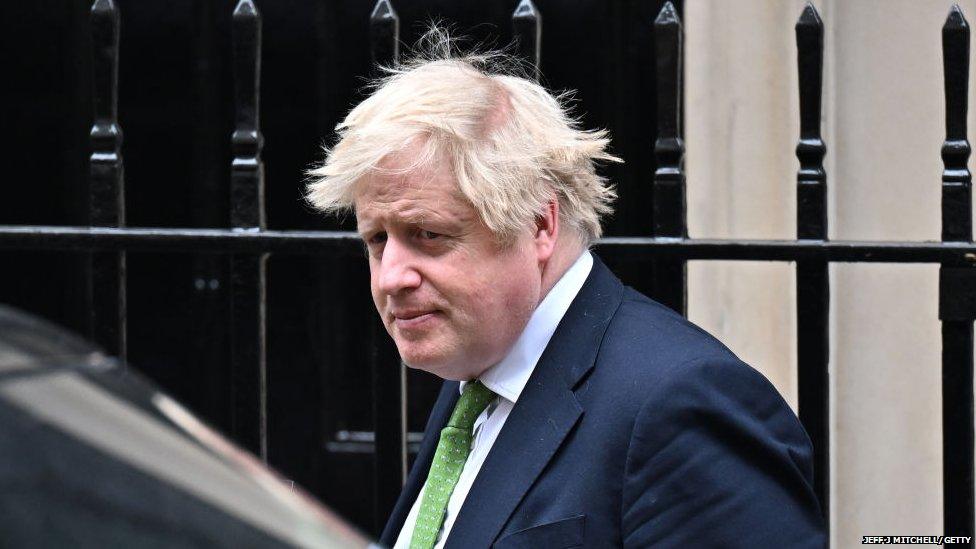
[414, 318]
[410, 315]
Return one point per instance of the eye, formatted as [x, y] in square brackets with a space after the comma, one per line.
[376, 238]
[428, 235]
[373, 243]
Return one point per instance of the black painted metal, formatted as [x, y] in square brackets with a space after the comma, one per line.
[249, 377]
[670, 277]
[384, 34]
[106, 271]
[812, 278]
[527, 31]
[107, 203]
[811, 179]
[388, 372]
[957, 293]
[956, 283]
[348, 244]
[956, 179]
[206, 280]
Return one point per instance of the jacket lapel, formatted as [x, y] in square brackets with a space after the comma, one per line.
[418, 473]
[544, 415]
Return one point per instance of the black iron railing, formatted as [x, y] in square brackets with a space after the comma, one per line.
[248, 243]
[956, 282]
[812, 279]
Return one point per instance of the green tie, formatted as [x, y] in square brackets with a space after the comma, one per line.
[452, 452]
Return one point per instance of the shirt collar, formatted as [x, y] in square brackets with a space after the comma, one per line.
[509, 376]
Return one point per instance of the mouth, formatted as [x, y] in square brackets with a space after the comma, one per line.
[406, 320]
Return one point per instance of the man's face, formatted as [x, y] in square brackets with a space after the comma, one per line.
[453, 300]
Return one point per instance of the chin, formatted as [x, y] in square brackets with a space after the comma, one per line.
[420, 360]
[435, 365]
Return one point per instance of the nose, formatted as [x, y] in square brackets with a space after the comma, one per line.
[397, 269]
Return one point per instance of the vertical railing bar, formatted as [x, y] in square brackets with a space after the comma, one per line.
[670, 277]
[812, 277]
[389, 389]
[527, 30]
[957, 326]
[384, 34]
[209, 277]
[249, 377]
[107, 270]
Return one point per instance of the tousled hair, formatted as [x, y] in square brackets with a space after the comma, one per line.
[511, 145]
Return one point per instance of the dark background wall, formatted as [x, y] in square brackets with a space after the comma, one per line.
[175, 109]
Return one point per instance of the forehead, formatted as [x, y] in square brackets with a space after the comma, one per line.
[393, 194]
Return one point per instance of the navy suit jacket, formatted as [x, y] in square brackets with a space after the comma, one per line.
[636, 429]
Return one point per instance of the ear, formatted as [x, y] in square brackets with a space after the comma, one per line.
[547, 231]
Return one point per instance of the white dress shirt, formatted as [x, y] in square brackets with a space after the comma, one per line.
[506, 379]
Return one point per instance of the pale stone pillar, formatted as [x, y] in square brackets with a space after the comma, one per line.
[739, 96]
[884, 125]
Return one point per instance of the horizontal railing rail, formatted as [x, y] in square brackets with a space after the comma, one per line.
[222, 241]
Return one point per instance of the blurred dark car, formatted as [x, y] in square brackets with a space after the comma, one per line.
[93, 455]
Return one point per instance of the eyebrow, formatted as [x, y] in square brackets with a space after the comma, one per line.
[413, 217]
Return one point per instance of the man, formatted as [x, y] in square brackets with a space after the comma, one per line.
[575, 412]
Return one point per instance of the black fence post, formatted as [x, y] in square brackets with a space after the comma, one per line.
[388, 373]
[106, 207]
[527, 30]
[249, 377]
[670, 281]
[955, 282]
[208, 192]
[812, 276]
[384, 34]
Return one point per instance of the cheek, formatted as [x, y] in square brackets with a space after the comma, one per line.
[525, 281]
[471, 298]
[522, 297]
[379, 299]
[509, 296]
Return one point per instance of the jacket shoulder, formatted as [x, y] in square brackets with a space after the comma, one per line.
[647, 337]
[714, 450]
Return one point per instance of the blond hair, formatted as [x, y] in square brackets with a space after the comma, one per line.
[512, 145]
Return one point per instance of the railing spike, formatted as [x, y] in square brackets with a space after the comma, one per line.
[383, 10]
[384, 34]
[668, 15]
[669, 146]
[247, 142]
[525, 9]
[955, 19]
[810, 150]
[809, 17]
[956, 178]
[527, 27]
[245, 8]
[103, 6]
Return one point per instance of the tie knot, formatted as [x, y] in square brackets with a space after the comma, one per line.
[473, 401]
